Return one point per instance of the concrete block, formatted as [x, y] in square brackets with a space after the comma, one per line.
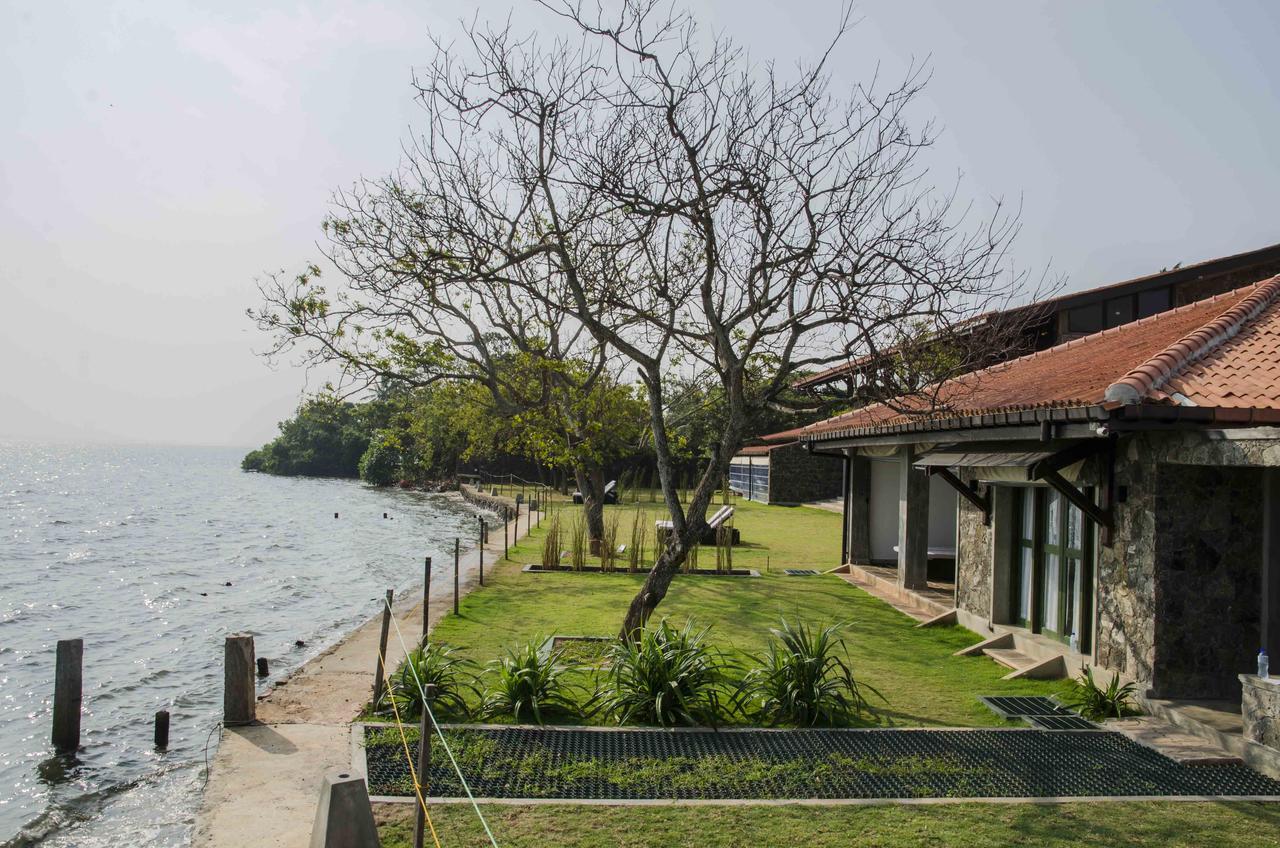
[344, 817]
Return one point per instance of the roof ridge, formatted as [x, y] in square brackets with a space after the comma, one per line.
[1141, 381]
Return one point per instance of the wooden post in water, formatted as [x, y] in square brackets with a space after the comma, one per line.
[264, 668]
[424, 763]
[239, 697]
[68, 683]
[456, 548]
[426, 599]
[162, 730]
[381, 674]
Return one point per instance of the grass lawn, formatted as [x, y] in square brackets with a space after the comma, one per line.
[922, 683]
[1162, 823]
[914, 669]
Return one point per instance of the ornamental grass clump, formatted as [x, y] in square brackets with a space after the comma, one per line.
[1097, 703]
[578, 545]
[435, 664]
[668, 677]
[528, 684]
[609, 543]
[551, 544]
[804, 678]
[639, 538]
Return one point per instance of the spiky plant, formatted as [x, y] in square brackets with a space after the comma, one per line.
[668, 677]
[435, 664]
[528, 683]
[1098, 703]
[804, 678]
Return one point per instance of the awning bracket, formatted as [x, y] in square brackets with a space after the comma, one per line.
[981, 501]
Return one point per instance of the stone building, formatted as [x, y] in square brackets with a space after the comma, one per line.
[1117, 499]
[782, 471]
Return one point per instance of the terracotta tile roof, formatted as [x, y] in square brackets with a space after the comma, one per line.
[1223, 351]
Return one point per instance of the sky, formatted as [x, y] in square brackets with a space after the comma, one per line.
[156, 158]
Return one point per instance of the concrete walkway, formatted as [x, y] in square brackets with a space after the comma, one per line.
[264, 781]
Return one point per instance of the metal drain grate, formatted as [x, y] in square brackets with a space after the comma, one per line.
[1060, 722]
[609, 764]
[1021, 706]
[801, 572]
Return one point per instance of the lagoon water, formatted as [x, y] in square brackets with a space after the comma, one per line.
[152, 555]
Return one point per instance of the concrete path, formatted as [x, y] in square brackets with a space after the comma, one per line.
[264, 781]
[1172, 741]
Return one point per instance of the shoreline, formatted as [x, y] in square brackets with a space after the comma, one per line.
[263, 781]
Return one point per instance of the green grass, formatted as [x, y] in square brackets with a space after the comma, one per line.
[923, 684]
[1115, 824]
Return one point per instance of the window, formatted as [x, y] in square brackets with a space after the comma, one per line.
[1151, 302]
[1052, 573]
[1085, 319]
[1119, 311]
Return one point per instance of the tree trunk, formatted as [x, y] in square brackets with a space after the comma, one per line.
[591, 484]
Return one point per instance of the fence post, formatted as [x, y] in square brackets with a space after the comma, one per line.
[426, 598]
[68, 683]
[239, 696]
[506, 531]
[424, 762]
[381, 674]
[456, 548]
[482, 540]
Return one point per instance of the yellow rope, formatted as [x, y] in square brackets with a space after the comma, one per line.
[404, 740]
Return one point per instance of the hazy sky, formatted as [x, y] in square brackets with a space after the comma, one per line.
[155, 157]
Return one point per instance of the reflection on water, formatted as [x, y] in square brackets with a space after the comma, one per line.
[153, 555]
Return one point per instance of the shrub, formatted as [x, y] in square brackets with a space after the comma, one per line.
[528, 684]
[804, 678]
[432, 664]
[381, 461]
[667, 676]
[1096, 703]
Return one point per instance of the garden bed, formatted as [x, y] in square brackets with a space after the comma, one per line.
[534, 568]
[753, 764]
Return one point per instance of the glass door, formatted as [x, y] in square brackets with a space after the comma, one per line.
[1052, 572]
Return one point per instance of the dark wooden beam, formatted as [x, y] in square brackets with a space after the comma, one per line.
[982, 502]
[1100, 516]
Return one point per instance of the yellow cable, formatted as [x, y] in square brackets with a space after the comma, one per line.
[404, 740]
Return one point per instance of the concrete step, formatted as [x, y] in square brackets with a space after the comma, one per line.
[1009, 657]
[1172, 741]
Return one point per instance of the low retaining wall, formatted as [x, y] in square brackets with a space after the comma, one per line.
[1260, 704]
[496, 503]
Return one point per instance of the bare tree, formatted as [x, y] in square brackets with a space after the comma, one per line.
[646, 190]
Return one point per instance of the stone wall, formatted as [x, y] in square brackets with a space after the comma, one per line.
[797, 476]
[1260, 706]
[975, 564]
[1208, 557]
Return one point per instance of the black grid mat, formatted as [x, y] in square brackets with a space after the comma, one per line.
[813, 764]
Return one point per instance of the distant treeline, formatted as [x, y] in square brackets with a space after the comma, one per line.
[420, 435]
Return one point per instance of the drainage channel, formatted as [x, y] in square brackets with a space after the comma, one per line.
[606, 764]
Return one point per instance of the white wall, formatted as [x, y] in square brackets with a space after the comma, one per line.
[884, 510]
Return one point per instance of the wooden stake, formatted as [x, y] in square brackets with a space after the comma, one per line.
[424, 764]
[482, 535]
[239, 697]
[506, 532]
[68, 681]
[379, 678]
[162, 730]
[456, 548]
